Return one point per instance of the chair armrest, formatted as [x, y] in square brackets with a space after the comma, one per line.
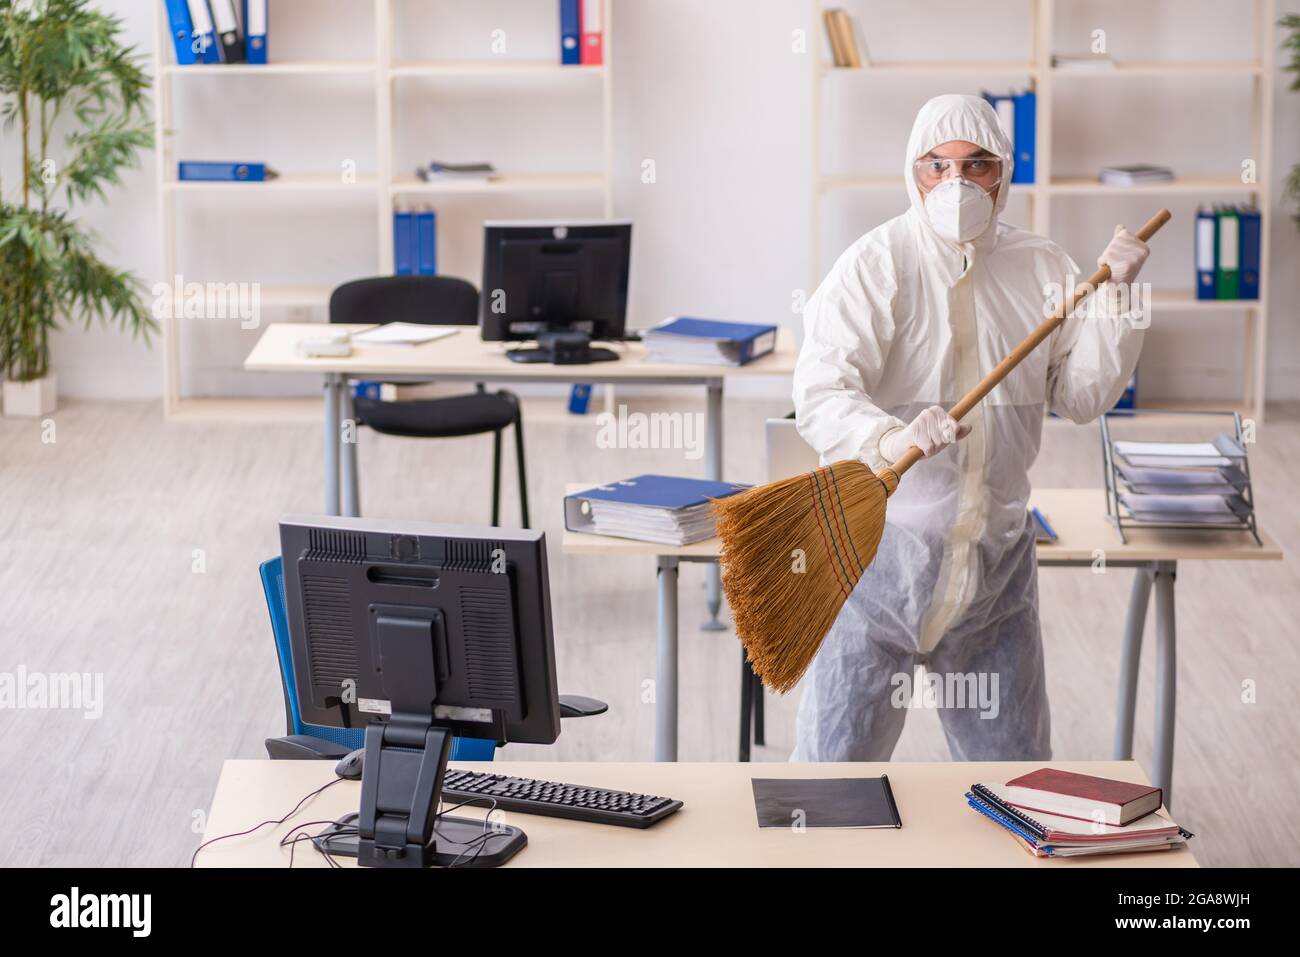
[304, 747]
[580, 706]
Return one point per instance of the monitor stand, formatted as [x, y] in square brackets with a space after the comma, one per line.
[399, 824]
[563, 348]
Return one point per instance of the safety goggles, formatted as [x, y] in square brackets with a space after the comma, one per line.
[983, 171]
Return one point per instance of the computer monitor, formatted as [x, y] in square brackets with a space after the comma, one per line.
[561, 284]
[418, 632]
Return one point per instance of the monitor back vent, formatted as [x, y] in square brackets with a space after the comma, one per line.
[472, 553]
[336, 545]
[488, 623]
[329, 631]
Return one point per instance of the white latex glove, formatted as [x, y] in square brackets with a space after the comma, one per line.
[932, 431]
[1125, 256]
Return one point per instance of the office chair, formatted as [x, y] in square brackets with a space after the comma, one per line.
[308, 741]
[443, 301]
[304, 741]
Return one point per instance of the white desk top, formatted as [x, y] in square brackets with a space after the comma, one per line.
[716, 827]
[1078, 516]
[465, 355]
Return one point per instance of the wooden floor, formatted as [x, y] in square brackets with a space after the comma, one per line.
[130, 548]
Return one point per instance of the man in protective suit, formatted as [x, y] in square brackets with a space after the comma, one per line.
[911, 317]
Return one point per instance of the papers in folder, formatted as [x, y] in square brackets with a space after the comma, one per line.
[663, 509]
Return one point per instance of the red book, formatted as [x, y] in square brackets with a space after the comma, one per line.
[1082, 796]
[593, 32]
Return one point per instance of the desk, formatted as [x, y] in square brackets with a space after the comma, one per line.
[717, 826]
[1085, 538]
[465, 357]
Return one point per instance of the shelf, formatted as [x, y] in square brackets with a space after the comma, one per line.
[938, 67]
[1184, 69]
[303, 182]
[289, 297]
[885, 184]
[1184, 300]
[1087, 186]
[489, 68]
[245, 409]
[285, 68]
[524, 183]
[1065, 186]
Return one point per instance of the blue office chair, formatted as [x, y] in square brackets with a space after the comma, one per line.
[312, 740]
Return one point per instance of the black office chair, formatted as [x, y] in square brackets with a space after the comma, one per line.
[439, 301]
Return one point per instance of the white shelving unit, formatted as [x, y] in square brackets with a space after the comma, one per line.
[1043, 76]
[383, 187]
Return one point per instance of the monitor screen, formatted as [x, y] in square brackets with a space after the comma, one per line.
[541, 277]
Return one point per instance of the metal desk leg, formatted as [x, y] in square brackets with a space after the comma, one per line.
[713, 470]
[1130, 657]
[332, 435]
[666, 663]
[351, 484]
[1162, 756]
[746, 705]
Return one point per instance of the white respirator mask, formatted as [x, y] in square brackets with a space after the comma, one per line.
[959, 210]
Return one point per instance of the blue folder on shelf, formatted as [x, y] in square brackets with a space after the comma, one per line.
[1248, 264]
[182, 31]
[665, 509]
[255, 19]
[571, 32]
[1018, 116]
[404, 243]
[1207, 259]
[1026, 129]
[224, 172]
[207, 47]
[426, 243]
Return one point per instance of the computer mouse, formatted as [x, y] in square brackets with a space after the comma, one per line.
[349, 766]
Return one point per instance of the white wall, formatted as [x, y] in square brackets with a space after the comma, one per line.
[713, 94]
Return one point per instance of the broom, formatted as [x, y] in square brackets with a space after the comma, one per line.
[793, 550]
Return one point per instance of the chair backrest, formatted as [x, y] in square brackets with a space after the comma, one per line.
[431, 300]
[462, 749]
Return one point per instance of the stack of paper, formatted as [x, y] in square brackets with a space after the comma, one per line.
[650, 508]
[436, 171]
[1082, 61]
[1135, 175]
[1196, 483]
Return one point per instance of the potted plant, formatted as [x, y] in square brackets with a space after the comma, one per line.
[65, 75]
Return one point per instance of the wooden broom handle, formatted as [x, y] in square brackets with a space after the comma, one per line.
[1032, 341]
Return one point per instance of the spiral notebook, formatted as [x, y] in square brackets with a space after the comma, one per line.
[1052, 835]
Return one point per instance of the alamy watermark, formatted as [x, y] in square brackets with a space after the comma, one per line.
[23, 690]
[955, 689]
[208, 300]
[1130, 301]
[651, 430]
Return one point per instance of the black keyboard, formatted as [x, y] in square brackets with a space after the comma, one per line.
[574, 801]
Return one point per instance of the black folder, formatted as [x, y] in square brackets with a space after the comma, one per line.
[825, 802]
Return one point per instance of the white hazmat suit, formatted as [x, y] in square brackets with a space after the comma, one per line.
[906, 320]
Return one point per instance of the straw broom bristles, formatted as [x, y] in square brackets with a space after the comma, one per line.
[791, 553]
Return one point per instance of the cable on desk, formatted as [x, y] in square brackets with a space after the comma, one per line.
[255, 827]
